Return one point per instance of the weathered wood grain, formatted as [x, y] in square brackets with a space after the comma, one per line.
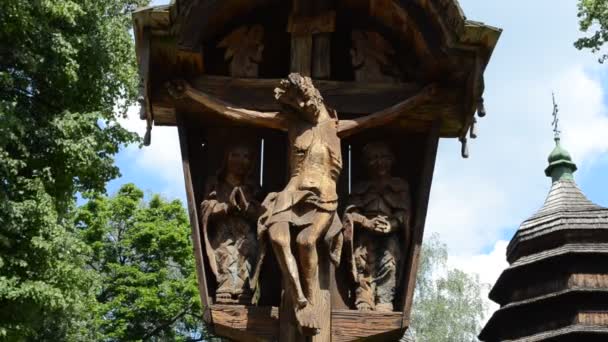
[301, 53]
[353, 325]
[420, 219]
[246, 323]
[344, 97]
[192, 212]
[321, 56]
[321, 23]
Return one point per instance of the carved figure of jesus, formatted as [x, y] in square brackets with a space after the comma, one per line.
[307, 205]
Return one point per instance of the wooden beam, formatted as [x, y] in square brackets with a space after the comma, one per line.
[354, 325]
[399, 17]
[196, 235]
[422, 203]
[349, 99]
[246, 323]
[345, 97]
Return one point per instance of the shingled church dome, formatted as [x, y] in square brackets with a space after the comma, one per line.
[556, 287]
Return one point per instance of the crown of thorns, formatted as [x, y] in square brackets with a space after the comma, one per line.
[297, 85]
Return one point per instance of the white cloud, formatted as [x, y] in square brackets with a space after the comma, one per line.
[160, 161]
[477, 203]
[583, 114]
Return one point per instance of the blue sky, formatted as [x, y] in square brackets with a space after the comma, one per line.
[477, 203]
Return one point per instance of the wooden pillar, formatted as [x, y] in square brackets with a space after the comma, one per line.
[428, 168]
[311, 25]
[196, 233]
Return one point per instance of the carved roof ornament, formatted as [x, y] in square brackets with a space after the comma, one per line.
[556, 285]
[555, 122]
[372, 58]
[244, 47]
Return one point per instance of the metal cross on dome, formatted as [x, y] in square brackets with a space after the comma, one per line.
[555, 122]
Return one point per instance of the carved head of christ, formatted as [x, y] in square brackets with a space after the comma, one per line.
[238, 164]
[379, 160]
[298, 95]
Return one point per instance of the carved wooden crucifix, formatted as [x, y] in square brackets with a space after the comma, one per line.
[306, 207]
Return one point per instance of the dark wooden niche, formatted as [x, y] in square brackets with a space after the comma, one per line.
[236, 36]
[206, 144]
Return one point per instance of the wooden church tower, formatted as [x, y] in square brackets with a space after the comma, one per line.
[556, 287]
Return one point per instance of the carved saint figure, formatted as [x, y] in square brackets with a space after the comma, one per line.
[229, 215]
[370, 56]
[377, 230]
[244, 47]
[307, 205]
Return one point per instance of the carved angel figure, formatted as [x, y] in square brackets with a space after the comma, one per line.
[244, 47]
[377, 230]
[229, 214]
[371, 58]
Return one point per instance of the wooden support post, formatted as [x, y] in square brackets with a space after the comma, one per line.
[321, 59]
[311, 40]
[422, 201]
[301, 53]
[196, 233]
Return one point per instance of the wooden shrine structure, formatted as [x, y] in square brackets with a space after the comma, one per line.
[556, 287]
[389, 79]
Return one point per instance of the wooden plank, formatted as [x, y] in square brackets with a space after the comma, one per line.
[421, 210]
[246, 323]
[345, 97]
[321, 59]
[353, 325]
[196, 235]
[321, 23]
[301, 53]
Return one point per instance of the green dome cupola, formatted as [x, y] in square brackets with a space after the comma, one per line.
[560, 166]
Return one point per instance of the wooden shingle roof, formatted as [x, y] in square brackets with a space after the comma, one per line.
[556, 287]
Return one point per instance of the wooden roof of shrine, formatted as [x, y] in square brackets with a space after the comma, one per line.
[433, 41]
[556, 287]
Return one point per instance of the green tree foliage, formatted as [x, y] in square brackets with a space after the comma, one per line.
[448, 303]
[64, 64]
[143, 255]
[593, 16]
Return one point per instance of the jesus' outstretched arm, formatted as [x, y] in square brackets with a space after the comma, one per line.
[385, 116]
[181, 89]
